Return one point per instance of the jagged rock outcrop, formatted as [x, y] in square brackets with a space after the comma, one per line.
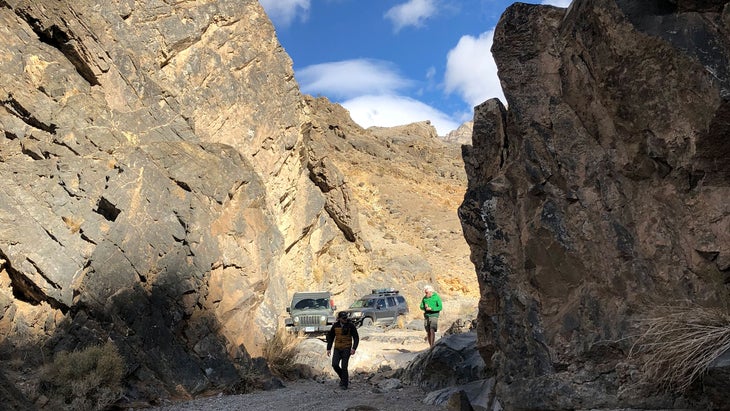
[598, 194]
[164, 185]
[461, 135]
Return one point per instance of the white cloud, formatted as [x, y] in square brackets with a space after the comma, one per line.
[471, 70]
[413, 13]
[393, 110]
[283, 12]
[351, 78]
[557, 3]
[371, 90]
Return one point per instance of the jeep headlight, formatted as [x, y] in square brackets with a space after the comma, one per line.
[296, 320]
[323, 320]
[356, 314]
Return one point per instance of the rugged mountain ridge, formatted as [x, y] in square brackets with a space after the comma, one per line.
[599, 195]
[166, 187]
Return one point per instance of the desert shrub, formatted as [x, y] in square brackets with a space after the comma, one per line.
[85, 380]
[280, 352]
[250, 380]
[679, 343]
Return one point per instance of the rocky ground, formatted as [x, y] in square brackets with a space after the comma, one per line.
[372, 386]
[313, 395]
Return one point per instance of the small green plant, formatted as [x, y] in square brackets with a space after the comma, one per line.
[280, 352]
[679, 343]
[85, 380]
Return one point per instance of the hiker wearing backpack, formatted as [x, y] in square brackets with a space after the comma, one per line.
[343, 335]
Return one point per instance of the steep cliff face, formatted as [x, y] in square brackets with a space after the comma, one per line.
[599, 194]
[140, 202]
[165, 186]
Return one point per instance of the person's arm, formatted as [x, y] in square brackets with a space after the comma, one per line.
[355, 337]
[422, 306]
[330, 338]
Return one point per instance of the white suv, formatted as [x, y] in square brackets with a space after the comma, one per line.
[311, 312]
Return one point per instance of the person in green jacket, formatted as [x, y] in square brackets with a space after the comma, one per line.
[431, 306]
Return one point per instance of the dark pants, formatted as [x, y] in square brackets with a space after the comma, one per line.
[340, 358]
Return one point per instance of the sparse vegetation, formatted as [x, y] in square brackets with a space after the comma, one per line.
[679, 344]
[280, 351]
[85, 380]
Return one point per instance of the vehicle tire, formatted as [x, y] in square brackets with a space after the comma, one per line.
[367, 321]
[400, 322]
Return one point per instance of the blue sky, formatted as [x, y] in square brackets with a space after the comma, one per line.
[393, 62]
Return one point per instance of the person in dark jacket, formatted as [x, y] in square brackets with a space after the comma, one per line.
[343, 335]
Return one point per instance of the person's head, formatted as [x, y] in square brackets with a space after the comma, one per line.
[342, 316]
[428, 290]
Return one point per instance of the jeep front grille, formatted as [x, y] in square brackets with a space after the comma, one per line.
[309, 320]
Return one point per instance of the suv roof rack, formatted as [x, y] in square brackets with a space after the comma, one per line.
[384, 291]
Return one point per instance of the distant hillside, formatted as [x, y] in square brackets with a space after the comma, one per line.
[406, 184]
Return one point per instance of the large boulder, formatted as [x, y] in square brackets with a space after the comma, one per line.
[453, 360]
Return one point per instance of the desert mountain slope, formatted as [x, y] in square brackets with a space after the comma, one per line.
[407, 184]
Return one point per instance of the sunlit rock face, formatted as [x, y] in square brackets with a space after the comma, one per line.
[152, 184]
[599, 193]
[140, 202]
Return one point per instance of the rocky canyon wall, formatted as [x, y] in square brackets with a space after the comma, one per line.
[599, 193]
[140, 202]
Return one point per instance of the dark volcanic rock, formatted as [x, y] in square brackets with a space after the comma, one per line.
[599, 194]
[452, 361]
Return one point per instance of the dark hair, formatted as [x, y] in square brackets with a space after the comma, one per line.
[342, 314]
